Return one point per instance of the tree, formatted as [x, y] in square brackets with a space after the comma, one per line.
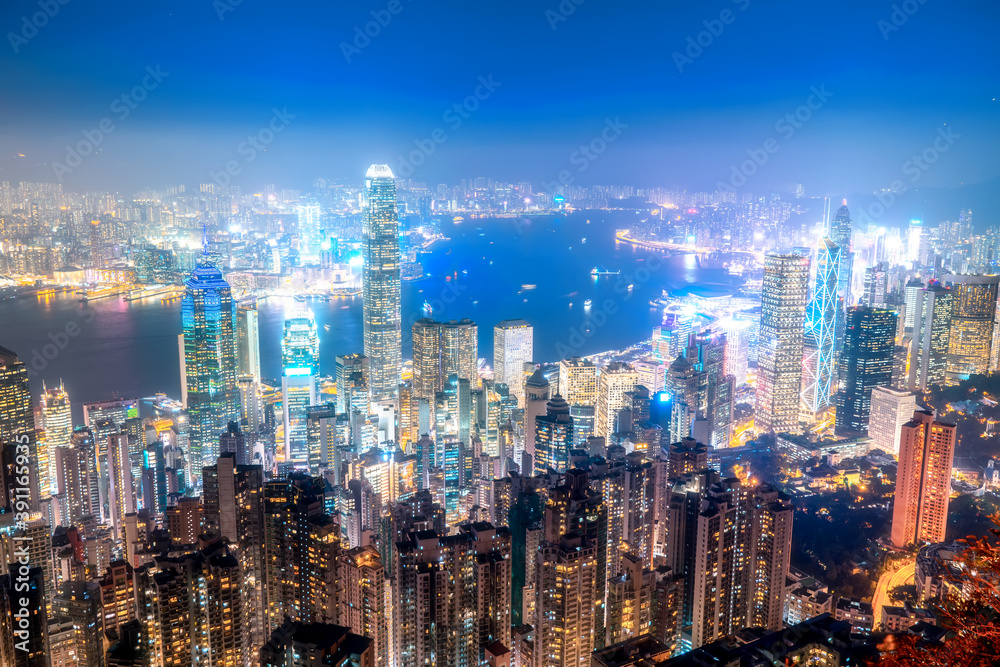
[970, 613]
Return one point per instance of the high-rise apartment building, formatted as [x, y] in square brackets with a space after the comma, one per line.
[537, 393]
[121, 484]
[363, 605]
[891, 408]
[923, 480]
[451, 595]
[566, 580]
[73, 483]
[974, 307]
[614, 381]
[300, 362]
[866, 363]
[353, 383]
[780, 343]
[578, 381]
[513, 342]
[208, 371]
[381, 282]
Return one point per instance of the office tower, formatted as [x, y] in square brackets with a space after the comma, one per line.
[911, 297]
[614, 381]
[248, 342]
[381, 282]
[553, 437]
[57, 422]
[513, 342]
[121, 484]
[840, 232]
[27, 643]
[234, 509]
[876, 284]
[73, 483]
[780, 343]
[17, 422]
[451, 597]
[566, 580]
[900, 364]
[715, 390]
[353, 383]
[891, 408]
[296, 644]
[537, 393]
[426, 357]
[578, 381]
[441, 349]
[302, 544]
[931, 336]
[300, 362]
[208, 372]
[80, 603]
[914, 241]
[682, 390]
[671, 337]
[232, 441]
[363, 606]
[737, 334]
[923, 480]
[819, 365]
[191, 609]
[866, 363]
[974, 307]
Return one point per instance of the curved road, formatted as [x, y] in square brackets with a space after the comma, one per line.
[887, 582]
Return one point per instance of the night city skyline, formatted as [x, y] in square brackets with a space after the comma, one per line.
[534, 334]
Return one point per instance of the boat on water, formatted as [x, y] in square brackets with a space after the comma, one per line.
[528, 287]
[603, 272]
[457, 218]
[427, 308]
[588, 303]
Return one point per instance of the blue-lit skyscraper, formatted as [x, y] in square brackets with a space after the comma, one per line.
[839, 231]
[208, 371]
[819, 366]
[300, 367]
[381, 282]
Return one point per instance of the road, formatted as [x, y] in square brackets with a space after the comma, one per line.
[887, 582]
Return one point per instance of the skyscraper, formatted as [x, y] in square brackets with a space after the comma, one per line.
[17, 421]
[208, 374]
[300, 362]
[512, 348]
[441, 349]
[353, 383]
[553, 437]
[57, 420]
[381, 284]
[780, 342]
[931, 336]
[867, 362]
[820, 364]
[923, 480]
[578, 381]
[737, 348]
[972, 319]
[891, 408]
[614, 381]
[840, 232]
[248, 342]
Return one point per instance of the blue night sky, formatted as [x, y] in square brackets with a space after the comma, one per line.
[606, 60]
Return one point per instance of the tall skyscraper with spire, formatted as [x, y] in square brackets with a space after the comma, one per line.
[381, 282]
[839, 231]
[208, 372]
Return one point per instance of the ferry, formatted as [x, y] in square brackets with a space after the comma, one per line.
[603, 272]
[588, 303]
[457, 219]
[528, 287]
[427, 308]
